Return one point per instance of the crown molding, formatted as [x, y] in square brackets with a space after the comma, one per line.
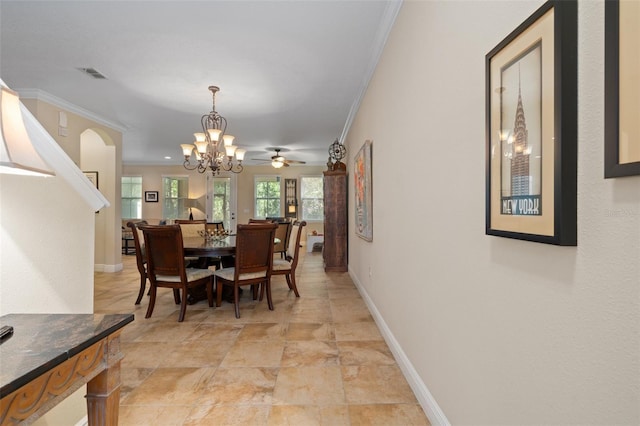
[43, 96]
[386, 24]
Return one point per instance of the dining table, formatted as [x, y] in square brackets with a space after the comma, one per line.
[203, 248]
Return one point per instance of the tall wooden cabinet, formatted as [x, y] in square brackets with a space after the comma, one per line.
[335, 221]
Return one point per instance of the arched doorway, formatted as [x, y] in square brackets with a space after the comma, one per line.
[98, 153]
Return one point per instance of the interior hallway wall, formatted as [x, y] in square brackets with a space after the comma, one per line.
[499, 331]
[108, 257]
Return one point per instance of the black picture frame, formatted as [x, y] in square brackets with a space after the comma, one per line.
[151, 196]
[614, 105]
[538, 202]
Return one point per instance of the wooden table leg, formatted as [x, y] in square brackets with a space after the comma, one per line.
[103, 391]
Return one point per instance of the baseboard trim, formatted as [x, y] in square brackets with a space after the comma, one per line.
[108, 268]
[83, 421]
[425, 398]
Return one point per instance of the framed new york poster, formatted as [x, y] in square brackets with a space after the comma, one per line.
[622, 88]
[531, 130]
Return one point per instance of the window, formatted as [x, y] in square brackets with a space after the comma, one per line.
[176, 192]
[267, 195]
[131, 197]
[312, 198]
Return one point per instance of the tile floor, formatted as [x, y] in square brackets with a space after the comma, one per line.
[316, 360]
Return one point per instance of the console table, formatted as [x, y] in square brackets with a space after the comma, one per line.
[50, 356]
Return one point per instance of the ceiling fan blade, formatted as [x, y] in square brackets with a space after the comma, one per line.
[260, 159]
[295, 162]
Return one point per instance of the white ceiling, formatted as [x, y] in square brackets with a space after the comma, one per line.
[289, 72]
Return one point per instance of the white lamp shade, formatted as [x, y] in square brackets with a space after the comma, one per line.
[200, 137]
[277, 164]
[17, 154]
[230, 149]
[228, 140]
[202, 146]
[240, 154]
[214, 134]
[187, 149]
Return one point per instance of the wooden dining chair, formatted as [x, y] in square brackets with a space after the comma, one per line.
[281, 234]
[253, 263]
[141, 261]
[288, 265]
[191, 228]
[252, 220]
[166, 266]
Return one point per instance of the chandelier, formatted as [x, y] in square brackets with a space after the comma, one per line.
[214, 149]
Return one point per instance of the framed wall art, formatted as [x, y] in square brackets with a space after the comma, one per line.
[622, 89]
[151, 196]
[363, 192]
[531, 128]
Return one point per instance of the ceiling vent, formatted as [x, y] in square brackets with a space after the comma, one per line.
[93, 73]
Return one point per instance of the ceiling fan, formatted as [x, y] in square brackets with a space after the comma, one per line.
[278, 160]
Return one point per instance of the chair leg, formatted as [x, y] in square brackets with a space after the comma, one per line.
[183, 305]
[152, 301]
[236, 300]
[291, 280]
[269, 301]
[176, 296]
[219, 287]
[143, 285]
[210, 291]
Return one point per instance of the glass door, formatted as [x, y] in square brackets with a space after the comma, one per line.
[221, 200]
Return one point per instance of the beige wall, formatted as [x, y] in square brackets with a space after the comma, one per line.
[92, 146]
[492, 330]
[152, 181]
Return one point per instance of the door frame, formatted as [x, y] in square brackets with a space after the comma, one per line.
[233, 201]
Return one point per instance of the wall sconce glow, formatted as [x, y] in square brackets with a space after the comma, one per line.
[17, 154]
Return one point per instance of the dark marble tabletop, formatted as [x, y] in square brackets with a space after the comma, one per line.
[42, 341]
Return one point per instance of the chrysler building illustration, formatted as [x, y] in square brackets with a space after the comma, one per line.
[520, 178]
